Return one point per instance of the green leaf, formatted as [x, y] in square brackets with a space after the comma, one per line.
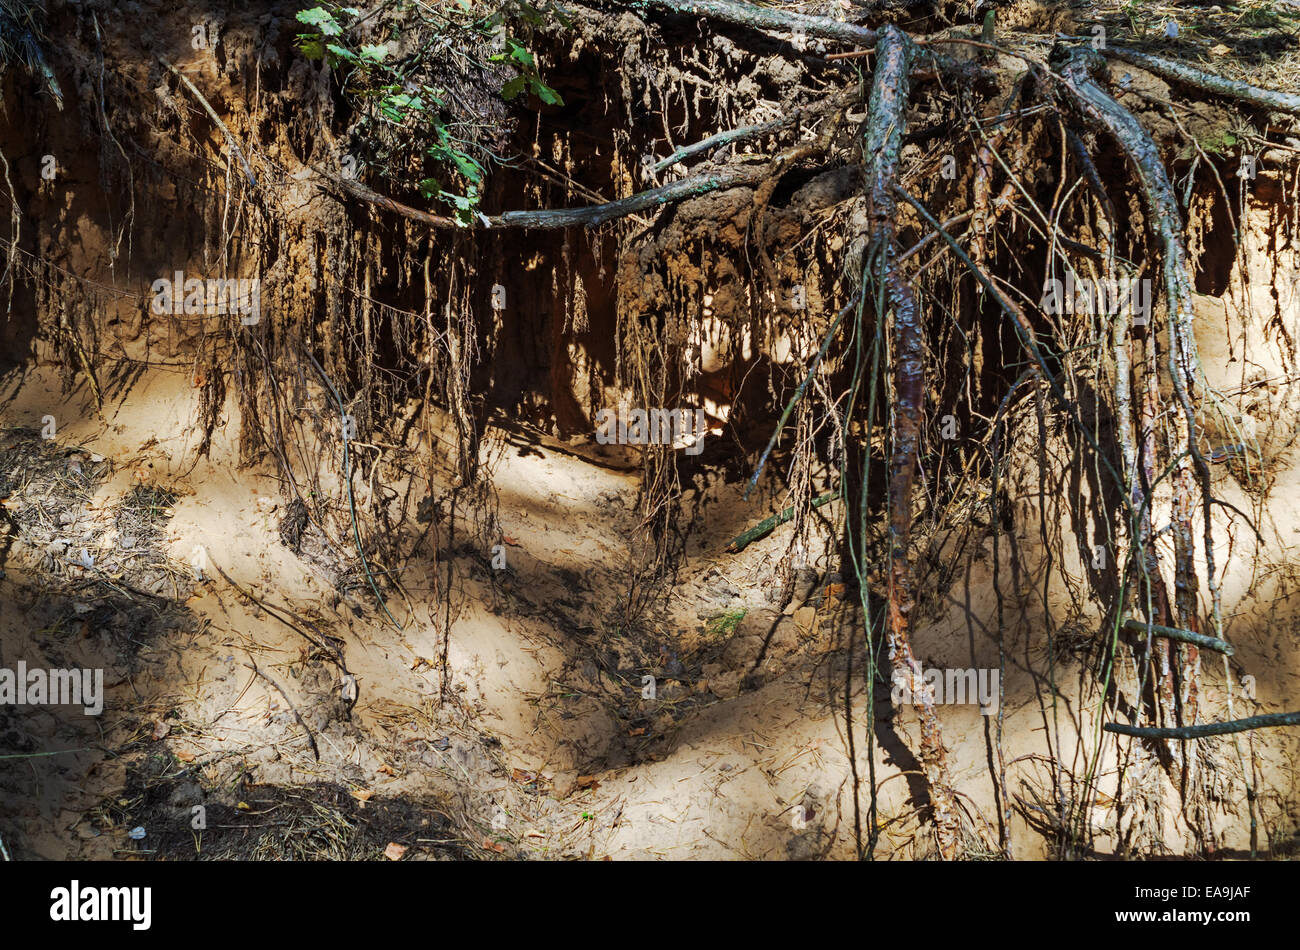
[467, 167]
[322, 19]
[545, 92]
[341, 52]
[396, 107]
[514, 87]
[311, 46]
[464, 205]
[521, 55]
[374, 54]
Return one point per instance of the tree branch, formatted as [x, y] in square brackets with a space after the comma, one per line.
[764, 18]
[555, 218]
[1183, 733]
[1191, 76]
[1185, 636]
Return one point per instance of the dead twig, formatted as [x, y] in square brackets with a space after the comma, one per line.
[216, 119]
[333, 651]
[292, 708]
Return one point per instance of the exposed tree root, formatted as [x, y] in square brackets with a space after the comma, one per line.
[216, 120]
[1205, 730]
[1199, 79]
[555, 218]
[1074, 78]
[1184, 636]
[770, 524]
[1191, 470]
[763, 18]
[886, 119]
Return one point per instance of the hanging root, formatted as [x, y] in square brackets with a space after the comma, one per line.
[1166, 220]
[216, 120]
[908, 305]
[886, 117]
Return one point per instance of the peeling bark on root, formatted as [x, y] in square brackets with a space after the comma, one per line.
[886, 116]
[1157, 607]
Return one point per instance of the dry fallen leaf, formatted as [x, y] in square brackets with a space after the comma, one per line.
[394, 851]
[385, 770]
[522, 777]
[186, 756]
[363, 795]
[496, 846]
[160, 730]
[588, 781]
